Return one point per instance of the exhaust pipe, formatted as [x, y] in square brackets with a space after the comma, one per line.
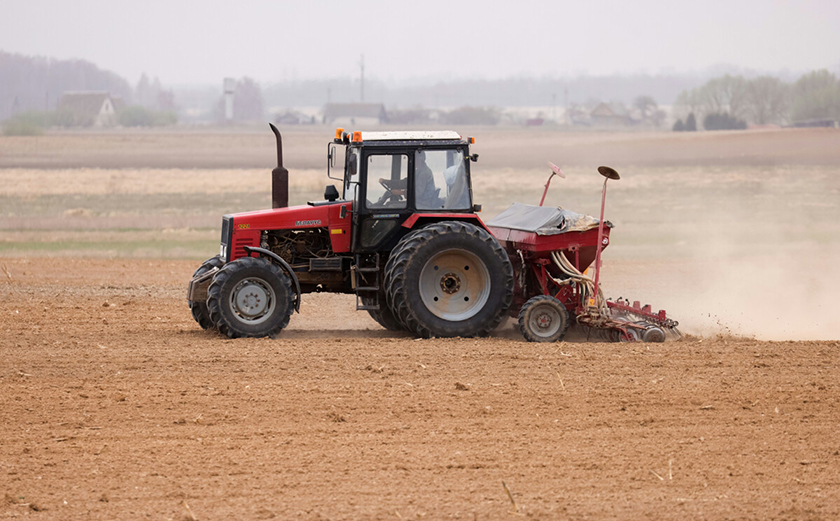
[279, 176]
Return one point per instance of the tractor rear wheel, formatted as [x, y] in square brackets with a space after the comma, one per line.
[250, 297]
[199, 308]
[543, 319]
[383, 316]
[449, 279]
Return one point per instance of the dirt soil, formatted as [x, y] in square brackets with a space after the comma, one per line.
[115, 405]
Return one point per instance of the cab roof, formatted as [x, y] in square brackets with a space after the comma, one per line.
[411, 135]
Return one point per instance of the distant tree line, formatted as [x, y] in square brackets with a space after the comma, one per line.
[34, 122]
[151, 95]
[730, 102]
[504, 92]
[32, 87]
[36, 83]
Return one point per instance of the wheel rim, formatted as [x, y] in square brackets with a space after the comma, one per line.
[544, 321]
[252, 300]
[617, 336]
[454, 284]
[653, 334]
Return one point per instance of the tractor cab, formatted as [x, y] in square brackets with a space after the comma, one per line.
[392, 177]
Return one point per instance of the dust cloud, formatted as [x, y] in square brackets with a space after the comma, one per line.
[779, 296]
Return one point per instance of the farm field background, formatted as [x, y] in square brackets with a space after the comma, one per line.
[116, 405]
[733, 232]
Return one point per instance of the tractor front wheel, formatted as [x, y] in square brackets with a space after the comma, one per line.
[449, 279]
[250, 297]
[198, 308]
[543, 319]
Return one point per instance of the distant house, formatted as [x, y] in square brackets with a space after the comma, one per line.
[610, 116]
[93, 108]
[119, 104]
[817, 122]
[354, 114]
[293, 117]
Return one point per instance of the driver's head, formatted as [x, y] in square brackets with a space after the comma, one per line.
[421, 156]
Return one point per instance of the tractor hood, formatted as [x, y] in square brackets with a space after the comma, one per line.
[245, 229]
[312, 215]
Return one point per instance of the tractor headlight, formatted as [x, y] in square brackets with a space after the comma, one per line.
[227, 237]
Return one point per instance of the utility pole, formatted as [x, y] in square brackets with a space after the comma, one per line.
[229, 87]
[566, 102]
[362, 82]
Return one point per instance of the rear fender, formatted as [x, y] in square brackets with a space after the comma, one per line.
[418, 220]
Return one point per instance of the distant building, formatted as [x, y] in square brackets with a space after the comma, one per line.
[354, 114]
[817, 122]
[293, 117]
[610, 116]
[97, 108]
[119, 104]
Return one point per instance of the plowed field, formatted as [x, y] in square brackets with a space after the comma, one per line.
[114, 405]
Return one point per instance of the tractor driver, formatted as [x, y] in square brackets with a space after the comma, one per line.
[426, 196]
[457, 193]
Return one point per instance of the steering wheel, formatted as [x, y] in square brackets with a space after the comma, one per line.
[388, 195]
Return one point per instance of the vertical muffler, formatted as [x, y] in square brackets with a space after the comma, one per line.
[279, 176]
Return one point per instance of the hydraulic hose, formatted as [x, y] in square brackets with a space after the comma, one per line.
[586, 284]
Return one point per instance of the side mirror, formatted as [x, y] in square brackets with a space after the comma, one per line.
[474, 158]
[476, 208]
[351, 165]
[331, 154]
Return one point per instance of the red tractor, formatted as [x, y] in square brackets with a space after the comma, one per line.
[404, 237]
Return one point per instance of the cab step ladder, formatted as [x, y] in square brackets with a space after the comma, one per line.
[367, 281]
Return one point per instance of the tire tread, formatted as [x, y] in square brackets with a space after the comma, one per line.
[198, 309]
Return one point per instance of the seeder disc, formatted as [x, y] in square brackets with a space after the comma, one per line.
[608, 172]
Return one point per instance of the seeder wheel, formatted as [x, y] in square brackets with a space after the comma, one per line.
[543, 319]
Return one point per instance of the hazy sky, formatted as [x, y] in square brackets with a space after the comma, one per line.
[203, 41]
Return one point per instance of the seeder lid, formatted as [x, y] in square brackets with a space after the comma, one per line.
[608, 172]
